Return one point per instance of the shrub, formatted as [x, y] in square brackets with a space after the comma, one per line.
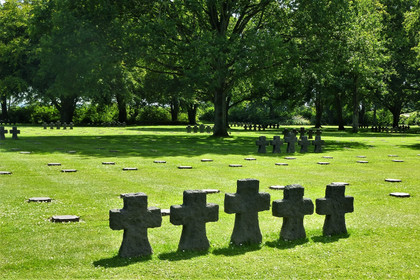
[153, 115]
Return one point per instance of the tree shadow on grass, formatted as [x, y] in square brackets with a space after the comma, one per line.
[182, 255]
[117, 261]
[329, 239]
[413, 146]
[234, 250]
[282, 244]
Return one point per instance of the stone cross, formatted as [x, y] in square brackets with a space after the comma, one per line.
[135, 218]
[262, 142]
[2, 133]
[64, 125]
[195, 129]
[189, 129]
[208, 129]
[51, 125]
[285, 132]
[318, 143]
[14, 133]
[58, 124]
[245, 204]
[310, 134]
[290, 139]
[335, 205]
[304, 143]
[44, 124]
[293, 207]
[302, 132]
[71, 125]
[193, 214]
[276, 143]
[245, 126]
[202, 128]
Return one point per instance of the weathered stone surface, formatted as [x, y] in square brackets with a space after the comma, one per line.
[2, 133]
[68, 170]
[293, 207]
[400, 194]
[184, 167]
[397, 160]
[318, 142]
[5, 173]
[323, 163]
[335, 205]
[189, 129]
[54, 164]
[327, 157]
[193, 215]
[362, 161]
[392, 155]
[340, 183]
[71, 152]
[250, 158]
[65, 218]
[39, 199]
[393, 180]
[165, 212]
[262, 143]
[289, 158]
[276, 143]
[361, 156]
[108, 163]
[135, 218]
[206, 160]
[304, 144]
[281, 164]
[245, 204]
[209, 191]
[159, 161]
[290, 139]
[25, 153]
[235, 165]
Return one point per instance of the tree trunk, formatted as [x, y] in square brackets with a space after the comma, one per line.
[339, 111]
[220, 111]
[318, 110]
[362, 114]
[375, 118]
[192, 113]
[4, 113]
[122, 108]
[174, 109]
[396, 112]
[66, 108]
[355, 105]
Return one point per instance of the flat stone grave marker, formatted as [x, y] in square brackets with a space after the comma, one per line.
[277, 188]
[393, 180]
[15, 149]
[108, 163]
[397, 160]
[5, 173]
[281, 164]
[250, 158]
[25, 153]
[289, 158]
[400, 194]
[65, 218]
[361, 156]
[334, 205]
[54, 164]
[165, 212]
[293, 208]
[210, 191]
[245, 204]
[114, 151]
[39, 199]
[323, 163]
[184, 167]
[362, 161]
[71, 152]
[135, 218]
[340, 183]
[393, 155]
[68, 170]
[159, 161]
[193, 215]
[327, 157]
[235, 165]
[129, 168]
[206, 160]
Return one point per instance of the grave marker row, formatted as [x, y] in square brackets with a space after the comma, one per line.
[291, 140]
[135, 217]
[202, 128]
[13, 131]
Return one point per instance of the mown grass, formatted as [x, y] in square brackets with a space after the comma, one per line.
[384, 232]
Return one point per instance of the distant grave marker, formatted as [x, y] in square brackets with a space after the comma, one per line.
[327, 157]
[304, 144]
[68, 170]
[211, 191]
[25, 153]
[39, 199]
[277, 188]
[397, 160]
[400, 194]
[159, 161]
[206, 160]
[184, 167]
[54, 164]
[281, 164]
[202, 128]
[108, 163]
[393, 180]
[5, 173]
[129, 168]
[290, 139]
[276, 143]
[361, 156]
[318, 142]
[2, 133]
[362, 161]
[290, 158]
[323, 163]
[235, 165]
[250, 159]
[262, 143]
[65, 218]
[14, 133]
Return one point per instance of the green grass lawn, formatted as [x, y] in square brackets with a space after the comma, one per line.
[384, 231]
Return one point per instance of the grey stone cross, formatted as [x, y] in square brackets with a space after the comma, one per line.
[293, 207]
[189, 129]
[245, 204]
[262, 143]
[14, 133]
[2, 133]
[276, 143]
[335, 205]
[202, 128]
[290, 139]
[302, 132]
[318, 143]
[310, 134]
[135, 218]
[193, 215]
[304, 143]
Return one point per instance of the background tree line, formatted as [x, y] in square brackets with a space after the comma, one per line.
[328, 61]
